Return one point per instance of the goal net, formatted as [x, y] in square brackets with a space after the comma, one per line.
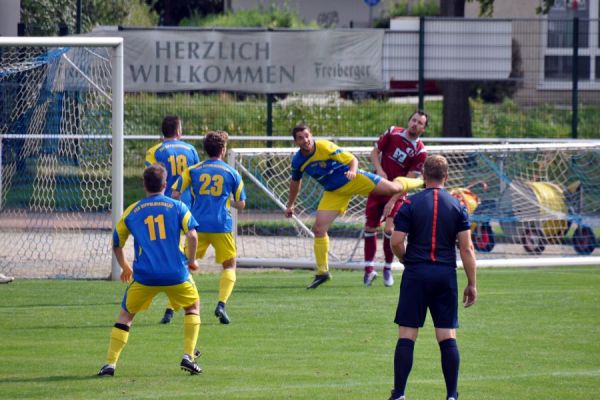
[526, 202]
[60, 127]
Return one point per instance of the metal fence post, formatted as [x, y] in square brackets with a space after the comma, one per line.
[575, 75]
[269, 118]
[421, 63]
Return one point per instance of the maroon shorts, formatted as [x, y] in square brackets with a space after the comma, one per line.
[374, 209]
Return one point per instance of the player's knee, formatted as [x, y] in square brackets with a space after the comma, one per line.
[319, 230]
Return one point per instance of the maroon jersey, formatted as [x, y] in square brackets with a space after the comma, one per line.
[400, 155]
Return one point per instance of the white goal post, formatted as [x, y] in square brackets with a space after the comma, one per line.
[61, 155]
[534, 204]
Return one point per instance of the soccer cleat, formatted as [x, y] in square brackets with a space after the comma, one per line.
[319, 280]
[6, 279]
[190, 366]
[451, 398]
[394, 397]
[107, 370]
[221, 314]
[369, 278]
[197, 354]
[388, 278]
[166, 319]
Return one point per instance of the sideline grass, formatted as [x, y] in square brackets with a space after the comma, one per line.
[532, 335]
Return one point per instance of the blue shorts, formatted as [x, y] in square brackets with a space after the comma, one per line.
[428, 286]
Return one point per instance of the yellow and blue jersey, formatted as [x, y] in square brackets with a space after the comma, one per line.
[156, 223]
[176, 156]
[327, 164]
[212, 182]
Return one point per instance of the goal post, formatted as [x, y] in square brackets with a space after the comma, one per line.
[61, 155]
[530, 205]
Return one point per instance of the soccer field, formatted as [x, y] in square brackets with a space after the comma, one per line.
[532, 335]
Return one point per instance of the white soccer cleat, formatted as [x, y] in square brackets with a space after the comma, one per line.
[388, 278]
[369, 278]
[6, 279]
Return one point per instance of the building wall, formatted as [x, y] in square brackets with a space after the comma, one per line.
[10, 16]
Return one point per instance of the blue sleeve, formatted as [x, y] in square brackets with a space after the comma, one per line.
[296, 173]
[402, 219]
[463, 224]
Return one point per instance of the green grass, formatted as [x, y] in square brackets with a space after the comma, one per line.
[532, 335]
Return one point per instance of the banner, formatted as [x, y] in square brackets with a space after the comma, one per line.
[251, 61]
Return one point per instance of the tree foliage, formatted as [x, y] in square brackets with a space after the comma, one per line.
[43, 17]
[271, 17]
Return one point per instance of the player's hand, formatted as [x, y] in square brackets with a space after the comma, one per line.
[387, 209]
[193, 266]
[126, 272]
[469, 296]
[350, 174]
[289, 211]
[381, 173]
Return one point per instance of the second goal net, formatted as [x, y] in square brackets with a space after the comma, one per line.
[524, 200]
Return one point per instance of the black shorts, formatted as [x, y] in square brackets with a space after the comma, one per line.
[428, 286]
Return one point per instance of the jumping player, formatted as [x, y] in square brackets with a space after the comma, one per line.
[337, 171]
[398, 152]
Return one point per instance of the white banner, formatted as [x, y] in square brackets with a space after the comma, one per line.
[263, 62]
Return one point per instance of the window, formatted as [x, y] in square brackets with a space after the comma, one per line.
[558, 55]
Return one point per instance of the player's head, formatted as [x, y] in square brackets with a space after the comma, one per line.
[215, 143]
[417, 123]
[303, 137]
[155, 178]
[435, 169]
[171, 126]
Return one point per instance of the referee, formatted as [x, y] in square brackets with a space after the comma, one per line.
[433, 220]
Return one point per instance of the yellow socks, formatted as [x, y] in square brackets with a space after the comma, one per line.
[191, 329]
[226, 284]
[321, 247]
[409, 184]
[118, 340]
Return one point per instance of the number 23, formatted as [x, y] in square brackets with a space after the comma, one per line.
[217, 185]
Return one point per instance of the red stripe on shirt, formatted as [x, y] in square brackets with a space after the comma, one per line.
[434, 225]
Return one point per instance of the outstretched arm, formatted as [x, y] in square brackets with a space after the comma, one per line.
[294, 190]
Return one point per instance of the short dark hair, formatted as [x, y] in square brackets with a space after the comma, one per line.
[435, 168]
[299, 128]
[169, 126]
[215, 142]
[155, 177]
[423, 113]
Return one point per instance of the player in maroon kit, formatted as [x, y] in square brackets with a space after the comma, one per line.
[398, 152]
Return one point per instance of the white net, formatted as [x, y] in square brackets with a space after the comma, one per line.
[55, 180]
[523, 201]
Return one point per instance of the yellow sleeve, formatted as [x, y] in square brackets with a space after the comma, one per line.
[182, 183]
[150, 155]
[338, 154]
[121, 232]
